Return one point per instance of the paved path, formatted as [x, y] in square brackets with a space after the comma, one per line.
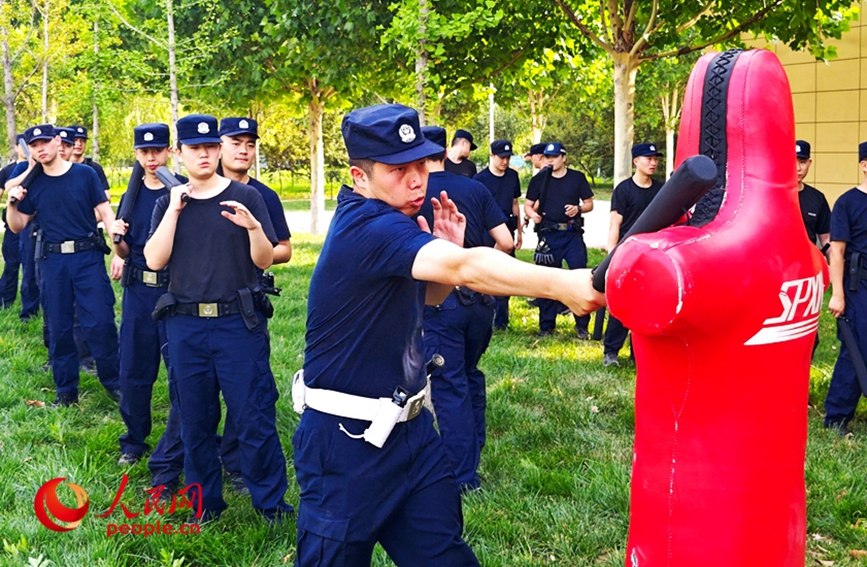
[595, 225]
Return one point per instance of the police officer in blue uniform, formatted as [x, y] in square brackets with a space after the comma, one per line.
[628, 201]
[78, 150]
[143, 340]
[11, 241]
[848, 256]
[459, 328]
[369, 462]
[30, 301]
[237, 155]
[536, 155]
[505, 186]
[560, 224]
[814, 206]
[212, 244]
[458, 160]
[63, 199]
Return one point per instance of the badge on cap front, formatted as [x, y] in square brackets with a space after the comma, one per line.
[550, 147]
[407, 134]
[652, 148]
[204, 128]
[63, 134]
[148, 137]
[244, 124]
[797, 148]
[506, 147]
[37, 132]
[81, 129]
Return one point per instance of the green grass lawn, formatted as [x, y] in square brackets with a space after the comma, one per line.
[555, 470]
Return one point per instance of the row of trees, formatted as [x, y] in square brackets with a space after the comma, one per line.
[565, 68]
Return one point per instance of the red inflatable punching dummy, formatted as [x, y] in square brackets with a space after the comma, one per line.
[723, 313]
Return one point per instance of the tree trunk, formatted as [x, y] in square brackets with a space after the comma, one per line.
[9, 98]
[94, 136]
[537, 116]
[45, 64]
[317, 160]
[624, 105]
[421, 61]
[173, 76]
[671, 115]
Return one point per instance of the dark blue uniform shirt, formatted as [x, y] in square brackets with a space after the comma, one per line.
[570, 189]
[504, 189]
[849, 221]
[364, 309]
[140, 221]
[468, 195]
[815, 212]
[64, 205]
[275, 209]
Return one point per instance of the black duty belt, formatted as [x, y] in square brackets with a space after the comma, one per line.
[152, 279]
[70, 246]
[208, 309]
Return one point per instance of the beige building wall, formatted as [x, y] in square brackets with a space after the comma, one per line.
[830, 101]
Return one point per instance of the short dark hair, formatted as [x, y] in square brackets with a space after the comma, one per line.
[365, 164]
[437, 157]
[456, 139]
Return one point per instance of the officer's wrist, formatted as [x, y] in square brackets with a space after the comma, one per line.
[257, 227]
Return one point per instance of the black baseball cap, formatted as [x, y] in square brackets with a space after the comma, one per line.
[645, 150]
[80, 131]
[40, 132]
[387, 133]
[536, 149]
[67, 135]
[501, 148]
[554, 149]
[239, 126]
[435, 134]
[151, 135]
[466, 136]
[802, 149]
[19, 137]
[198, 129]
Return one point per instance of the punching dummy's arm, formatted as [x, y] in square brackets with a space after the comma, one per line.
[695, 177]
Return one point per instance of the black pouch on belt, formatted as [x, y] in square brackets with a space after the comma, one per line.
[100, 243]
[266, 308]
[165, 307]
[466, 297]
[854, 269]
[248, 309]
[126, 275]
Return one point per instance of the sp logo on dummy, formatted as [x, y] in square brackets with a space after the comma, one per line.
[801, 301]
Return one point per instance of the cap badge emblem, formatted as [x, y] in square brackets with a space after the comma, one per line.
[798, 148]
[507, 148]
[652, 148]
[407, 134]
[63, 134]
[244, 124]
[204, 128]
[148, 137]
[550, 147]
[81, 129]
[37, 132]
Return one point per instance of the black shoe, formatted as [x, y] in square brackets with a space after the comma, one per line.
[88, 369]
[63, 401]
[47, 366]
[128, 460]
[115, 395]
[840, 428]
[583, 334]
[238, 484]
[208, 516]
[169, 489]
[610, 359]
[546, 333]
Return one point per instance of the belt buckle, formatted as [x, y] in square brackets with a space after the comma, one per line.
[415, 408]
[208, 310]
[67, 247]
[150, 278]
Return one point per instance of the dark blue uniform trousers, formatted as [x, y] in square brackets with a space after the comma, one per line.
[501, 306]
[353, 495]
[11, 265]
[210, 355]
[80, 280]
[29, 280]
[565, 245]
[461, 333]
[615, 335]
[142, 341]
[844, 391]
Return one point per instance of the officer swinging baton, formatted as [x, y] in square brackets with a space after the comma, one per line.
[169, 180]
[848, 338]
[128, 200]
[695, 177]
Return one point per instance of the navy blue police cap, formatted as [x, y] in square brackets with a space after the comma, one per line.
[802, 149]
[198, 129]
[80, 131]
[554, 149]
[645, 150]
[536, 150]
[19, 137]
[387, 133]
[436, 135]
[40, 132]
[151, 135]
[501, 148]
[67, 135]
[466, 136]
[239, 126]
[862, 151]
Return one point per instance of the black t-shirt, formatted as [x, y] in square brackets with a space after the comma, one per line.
[64, 204]
[472, 200]
[570, 189]
[465, 168]
[275, 209]
[505, 189]
[5, 174]
[139, 219]
[210, 258]
[99, 172]
[630, 199]
[815, 211]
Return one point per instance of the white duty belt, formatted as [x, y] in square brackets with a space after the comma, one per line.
[383, 413]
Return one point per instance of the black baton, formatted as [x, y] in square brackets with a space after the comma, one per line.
[34, 173]
[132, 189]
[168, 179]
[848, 338]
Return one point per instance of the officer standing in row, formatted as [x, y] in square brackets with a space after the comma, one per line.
[369, 462]
[848, 296]
[30, 300]
[212, 244]
[11, 241]
[536, 155]
[814, 205]
[628, 201]
[142, 340]
[63, 199]
[67, 142]
[459, 328]
[458, 160]
[505, 186]
[237, 156]
[558, 214]
[78, 151]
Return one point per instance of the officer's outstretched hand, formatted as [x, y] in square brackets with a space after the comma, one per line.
[16, 193]
[449, 223]
[242, 215]
[115, 269]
